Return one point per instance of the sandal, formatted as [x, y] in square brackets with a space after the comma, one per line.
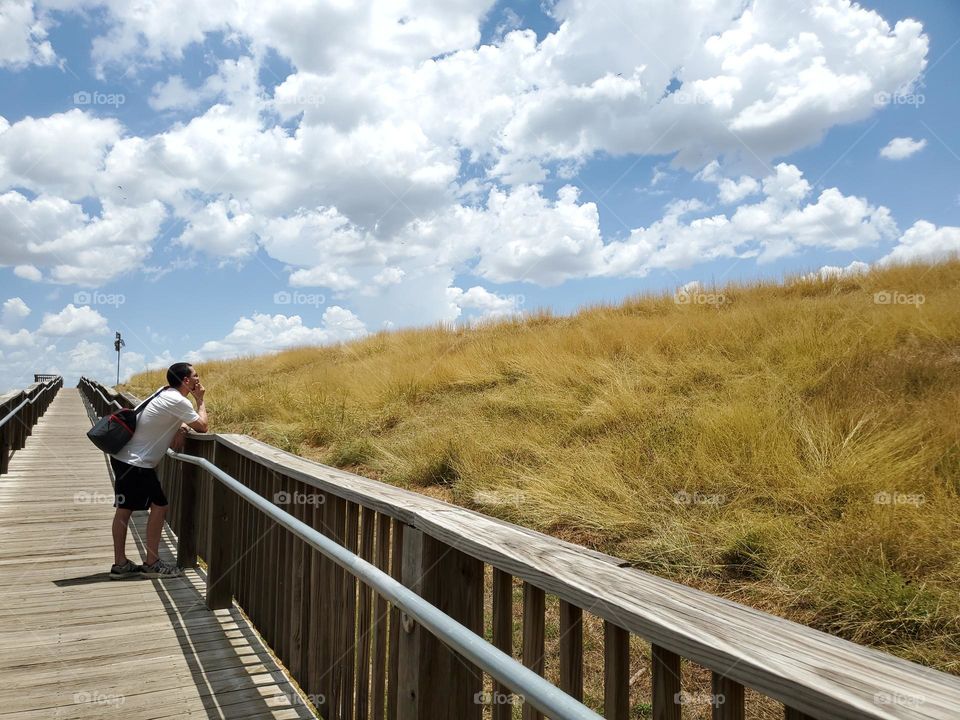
[160, 569]
[128, 570]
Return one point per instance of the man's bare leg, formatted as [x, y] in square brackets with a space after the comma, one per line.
[154, 530]
[120, 521]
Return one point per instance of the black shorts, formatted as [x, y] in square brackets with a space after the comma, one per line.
[136, 488]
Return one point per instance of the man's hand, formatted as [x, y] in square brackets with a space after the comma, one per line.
[179, 439]
[198, 391]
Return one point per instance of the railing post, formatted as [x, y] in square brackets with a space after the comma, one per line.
[666, 683]
[727, 698]
[616, 672]
[221, 512]
[17, 438]
[4, 450]
[534, 634]
[26, 415]
[453, 582]
[502, 636]
[571, 650]
[187, 516]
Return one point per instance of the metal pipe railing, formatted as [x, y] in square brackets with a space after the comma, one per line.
[535, 690]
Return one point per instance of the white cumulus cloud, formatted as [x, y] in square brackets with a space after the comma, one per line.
[23, 35]
[73, 320]
[264, 333]
[14, 310]
[901, 148]
[924, 241]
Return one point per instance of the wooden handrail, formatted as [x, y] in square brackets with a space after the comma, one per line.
[19, 412]
[812, 673]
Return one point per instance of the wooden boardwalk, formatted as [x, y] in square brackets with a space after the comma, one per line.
[76, 644]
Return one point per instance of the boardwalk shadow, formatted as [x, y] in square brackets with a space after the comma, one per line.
[239, 681]
[92, 579]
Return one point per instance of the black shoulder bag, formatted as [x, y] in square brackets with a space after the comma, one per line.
[112, 432]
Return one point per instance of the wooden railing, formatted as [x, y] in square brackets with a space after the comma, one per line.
[41, 378]
[20, 411]
[357, 657]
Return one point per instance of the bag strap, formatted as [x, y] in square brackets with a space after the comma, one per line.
[140, 408]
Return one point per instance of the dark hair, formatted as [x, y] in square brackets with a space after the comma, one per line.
[177, 373]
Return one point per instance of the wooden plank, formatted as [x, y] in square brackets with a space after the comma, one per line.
[534, 612]
[726, 698]
[381, 624]
[364, 608]
[453, 582]
[284, 580]
[256, 562]
[336, 629]
[348, 618]
[222, 509]
[666, 683]
[298, 558]
[616, 672]
[315, 609]
[571, 650]
[241, 534]
[502, 636]
[187, 515]
[396, 572]
[275, 543]
[328, 588]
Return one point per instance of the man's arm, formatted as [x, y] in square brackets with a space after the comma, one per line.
[200, 425]
[178, 440]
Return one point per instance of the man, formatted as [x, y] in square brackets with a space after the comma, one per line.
[161, 424]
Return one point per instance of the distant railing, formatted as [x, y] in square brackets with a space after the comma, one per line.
[265, 522]
[20, 411]
[44, 378]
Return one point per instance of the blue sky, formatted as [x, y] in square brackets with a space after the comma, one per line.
[216, 180]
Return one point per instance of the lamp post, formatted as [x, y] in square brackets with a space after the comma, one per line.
[117, 344]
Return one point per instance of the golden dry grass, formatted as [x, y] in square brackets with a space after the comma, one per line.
[746, 447]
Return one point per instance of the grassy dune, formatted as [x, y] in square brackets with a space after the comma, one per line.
[794, 446]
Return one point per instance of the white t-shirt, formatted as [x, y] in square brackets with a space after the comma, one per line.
[156, 426]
